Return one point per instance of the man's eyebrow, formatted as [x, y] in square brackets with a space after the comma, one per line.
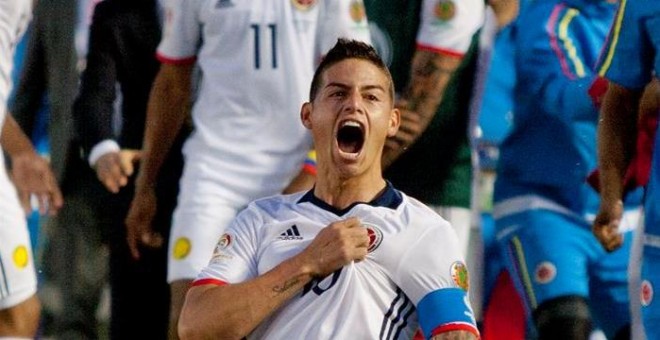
[365, 87]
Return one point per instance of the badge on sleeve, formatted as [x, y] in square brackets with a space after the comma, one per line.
[358, 13]
[219, 252]
[459, 274]
[445, 10]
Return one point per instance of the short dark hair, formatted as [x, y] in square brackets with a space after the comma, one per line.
[348, 49]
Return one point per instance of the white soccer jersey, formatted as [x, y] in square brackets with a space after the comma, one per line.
[447, 26]
[17, 278]
[257, 59]
[413, 275]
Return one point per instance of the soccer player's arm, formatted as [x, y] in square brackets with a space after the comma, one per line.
[170, 98]
[229, 299]
[439, 284]
[439, 53]
[31, 173]
[616, 145]
[167, 109]
[553, 63]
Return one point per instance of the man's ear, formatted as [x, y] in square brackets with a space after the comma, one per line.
[305, 115]
[395, 121]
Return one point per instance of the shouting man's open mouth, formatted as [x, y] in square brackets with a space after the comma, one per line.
[350, 138]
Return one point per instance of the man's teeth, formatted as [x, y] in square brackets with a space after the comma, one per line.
[350, 123]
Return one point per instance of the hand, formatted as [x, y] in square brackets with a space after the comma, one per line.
[114, 168]
[337, 245]
[606, 225]
[409, 130]
[32, 176]
[139, 230]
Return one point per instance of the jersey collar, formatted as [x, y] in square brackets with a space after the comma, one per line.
[389, 198]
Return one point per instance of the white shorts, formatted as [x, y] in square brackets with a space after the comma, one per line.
[200, 218]
[18, 280]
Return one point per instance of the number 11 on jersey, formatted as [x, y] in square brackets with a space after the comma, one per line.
[270, 32]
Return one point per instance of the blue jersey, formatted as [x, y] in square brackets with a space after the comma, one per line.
[551, 147]
[631, 54]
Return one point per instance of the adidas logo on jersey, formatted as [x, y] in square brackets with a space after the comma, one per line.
[224, 4]
[291, 234]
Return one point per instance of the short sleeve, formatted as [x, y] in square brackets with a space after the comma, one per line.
[623, 59]
[434, 275]
[181, 31]
[341, 18]
[234, 256]
[447, 26]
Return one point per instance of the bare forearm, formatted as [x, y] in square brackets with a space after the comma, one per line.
[13, 140]
[168, 107]
[617, 129]
[430, 74]
[233, 311]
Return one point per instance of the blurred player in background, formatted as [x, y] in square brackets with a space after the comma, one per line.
[31, 177]
[544, 206]
[256, 58]
[630, 62]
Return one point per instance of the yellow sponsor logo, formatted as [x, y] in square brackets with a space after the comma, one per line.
[21, 257]
[182, 248]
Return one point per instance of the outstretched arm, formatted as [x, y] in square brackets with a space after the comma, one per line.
[168, 107]
[207, 315]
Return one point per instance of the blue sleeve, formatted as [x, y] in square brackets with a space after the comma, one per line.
[627, 58]
[556, 55]
[445, 310]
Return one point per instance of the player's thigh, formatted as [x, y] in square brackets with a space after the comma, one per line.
[196, 228]
[609, 291]
[546, 253]
[17, 278]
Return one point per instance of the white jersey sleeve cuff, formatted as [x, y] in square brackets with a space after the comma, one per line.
[100, 149]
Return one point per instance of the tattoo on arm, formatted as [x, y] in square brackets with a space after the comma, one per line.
[428, 80]
[286, 285]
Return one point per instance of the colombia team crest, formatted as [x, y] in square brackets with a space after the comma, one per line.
[375, 237]
[459, 274]
[545, 272]
[646, 293]
[303, 5]
[223, 243]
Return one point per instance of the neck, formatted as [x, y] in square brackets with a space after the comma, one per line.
[342, 192]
